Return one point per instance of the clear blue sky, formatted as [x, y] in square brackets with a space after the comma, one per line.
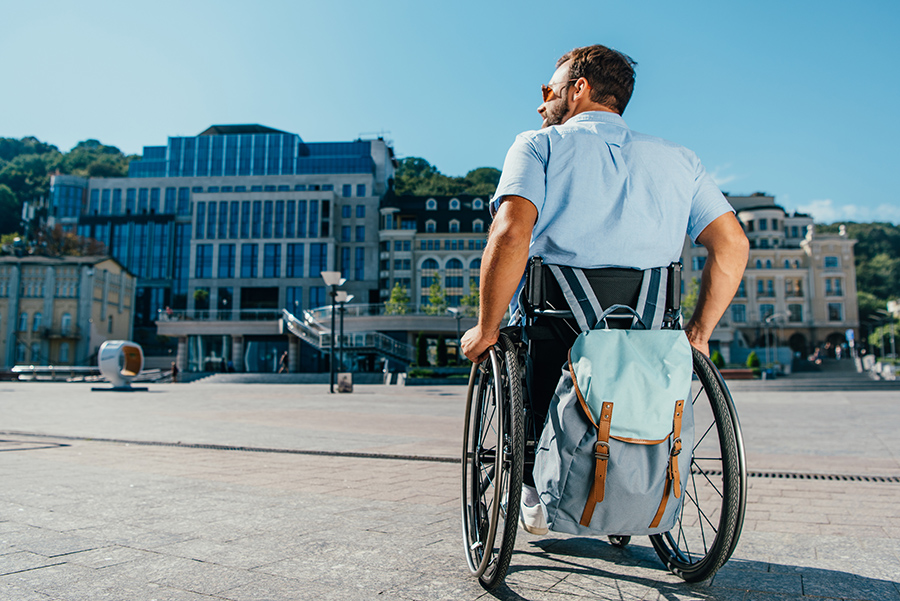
[797, 99]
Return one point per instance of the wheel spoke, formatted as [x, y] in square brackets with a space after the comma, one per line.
[697, 445]
[711, 483]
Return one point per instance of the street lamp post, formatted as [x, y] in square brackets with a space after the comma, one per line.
[342, 298]
[458, 314]
[332, 279]
[768, 324]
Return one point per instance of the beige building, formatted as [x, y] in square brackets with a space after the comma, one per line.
[799, 289]
[58, 311]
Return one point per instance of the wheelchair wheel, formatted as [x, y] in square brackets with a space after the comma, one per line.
[492, 464]
[712, 512]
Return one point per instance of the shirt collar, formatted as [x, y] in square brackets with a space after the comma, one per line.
[599, 117]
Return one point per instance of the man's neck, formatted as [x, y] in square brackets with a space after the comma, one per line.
[588, 107]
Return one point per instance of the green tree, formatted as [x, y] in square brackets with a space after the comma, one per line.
[418, 177]
[470, 302]
[689, 300]
[441, 352]
[437, 298]
[753, 363]
[10, 210]
[399, 301]
[717, 359]
[422, 350]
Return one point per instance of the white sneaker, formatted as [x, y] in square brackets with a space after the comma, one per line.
[532, 520]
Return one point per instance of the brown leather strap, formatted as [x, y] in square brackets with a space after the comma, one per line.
[673, 478]
[601, 461]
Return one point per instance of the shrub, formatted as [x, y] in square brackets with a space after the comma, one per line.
[441, 352]
[716, 358]
[422, 350]
[753, 363]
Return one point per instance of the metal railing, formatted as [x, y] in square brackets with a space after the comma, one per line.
[315, 333]
[364, 310]
[220, 315]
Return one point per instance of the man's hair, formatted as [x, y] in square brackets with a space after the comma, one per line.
[609, 73]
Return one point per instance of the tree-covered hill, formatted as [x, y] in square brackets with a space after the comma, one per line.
[27, 164]
[418, 177]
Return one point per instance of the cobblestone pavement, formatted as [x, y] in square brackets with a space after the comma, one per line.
[284, 492]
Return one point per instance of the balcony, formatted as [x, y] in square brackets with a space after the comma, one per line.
[69, 333]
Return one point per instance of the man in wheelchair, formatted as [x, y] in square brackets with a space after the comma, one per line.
[587, 192]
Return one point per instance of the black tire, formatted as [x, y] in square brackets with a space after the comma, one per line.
[619, 540]
[493, 449]
[712, 512]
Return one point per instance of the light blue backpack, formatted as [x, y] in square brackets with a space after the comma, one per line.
[615, 452]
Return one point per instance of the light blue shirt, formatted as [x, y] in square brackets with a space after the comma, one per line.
[607, 196]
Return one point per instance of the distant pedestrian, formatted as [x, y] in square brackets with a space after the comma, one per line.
[174, 373]
[283, 363]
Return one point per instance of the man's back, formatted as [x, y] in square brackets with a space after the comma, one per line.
[607, 196]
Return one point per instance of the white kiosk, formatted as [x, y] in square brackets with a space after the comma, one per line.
[120, 362]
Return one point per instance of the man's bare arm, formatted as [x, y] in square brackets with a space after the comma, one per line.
[503, 263]
[728, 249]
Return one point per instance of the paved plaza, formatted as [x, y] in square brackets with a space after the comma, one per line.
[278, 492]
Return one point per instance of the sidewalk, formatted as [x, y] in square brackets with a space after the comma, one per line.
[283, 492]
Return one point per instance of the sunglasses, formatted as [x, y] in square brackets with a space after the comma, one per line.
[547, 90]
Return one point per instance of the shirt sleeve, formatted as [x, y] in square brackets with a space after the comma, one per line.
[524, 173]
[708, 203]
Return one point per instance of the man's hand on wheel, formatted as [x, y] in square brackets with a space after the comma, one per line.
[476, 343]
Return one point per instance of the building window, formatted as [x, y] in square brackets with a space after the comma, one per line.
[268, 215]
[832, 263]
[345, 233]
[345, 190]
[758, 264]
[294, 267]
[742, 290]
[478, 204]
[428, 272]
[249, 260]
[698, 262]
[359, 272]
[475, 271]
[360, 233]
[407, 223]
[763, 225]
[795, 313]
[739, 313]
[64, 352]
[316, 296]
[318, 259]
[256, 223]
[764, 243]
[833, 287]
[787, 263]
[203, 262]
[345, 212]
[65, 324]
[430, 226]
[835, 312]
[226, 260]
[478, 226]
[271, 260]
[20, 352]
[766, 311]
[454, 274]
[36, 322]
[768, 263]
[279, 219]
[293, 299]
[431, 205]
[454, 204]
[201, 220]
[360, 189]
[454, 226]
[36, 352]
[360, 211]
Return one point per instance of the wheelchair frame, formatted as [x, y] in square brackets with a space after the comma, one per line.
[498, 442]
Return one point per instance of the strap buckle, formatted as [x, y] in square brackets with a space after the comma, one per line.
[598, 454]
[676, 448]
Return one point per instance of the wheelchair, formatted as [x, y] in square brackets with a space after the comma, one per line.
[502, 429]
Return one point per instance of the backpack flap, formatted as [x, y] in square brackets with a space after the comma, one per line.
[642, 372]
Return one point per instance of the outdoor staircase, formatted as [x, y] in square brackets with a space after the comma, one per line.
[316, 334]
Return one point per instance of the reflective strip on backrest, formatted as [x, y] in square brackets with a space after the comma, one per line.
[579, 295]
[651, 303]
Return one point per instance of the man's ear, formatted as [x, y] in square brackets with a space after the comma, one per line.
[582, 88]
